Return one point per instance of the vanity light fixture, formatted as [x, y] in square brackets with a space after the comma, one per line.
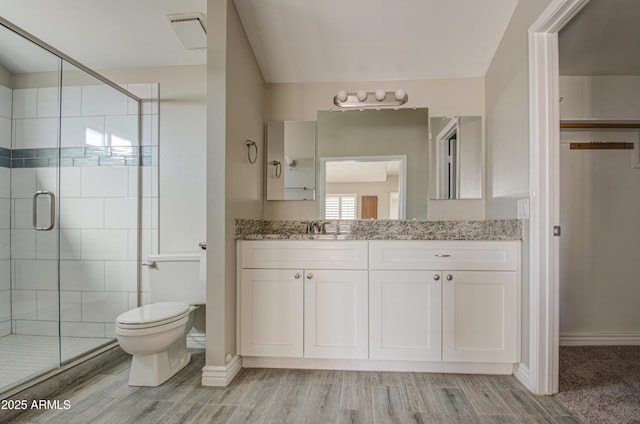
[377, 99]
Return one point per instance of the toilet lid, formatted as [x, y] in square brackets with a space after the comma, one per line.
[154, 312]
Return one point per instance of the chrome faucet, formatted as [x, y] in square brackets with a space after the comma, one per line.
[315, 227]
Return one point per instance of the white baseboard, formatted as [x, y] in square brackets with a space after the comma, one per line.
[599, 339]
[522, 374]
[378, 365]
[196, 341]
[221, 376]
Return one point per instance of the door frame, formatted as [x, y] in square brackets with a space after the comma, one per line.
[544, 192]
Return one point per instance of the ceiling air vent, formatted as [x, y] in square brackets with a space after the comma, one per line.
[191, 29]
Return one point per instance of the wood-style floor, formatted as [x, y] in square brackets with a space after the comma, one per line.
[303, 396]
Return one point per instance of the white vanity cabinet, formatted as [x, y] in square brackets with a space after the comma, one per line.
[480, 320]
[405, 315]
[271, 315]
[455, 301]
[387, 305]
[303, 299]
[336, 314]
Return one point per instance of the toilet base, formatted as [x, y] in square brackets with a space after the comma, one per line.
[153, 370]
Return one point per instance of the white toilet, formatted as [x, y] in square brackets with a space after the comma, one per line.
[156, 334]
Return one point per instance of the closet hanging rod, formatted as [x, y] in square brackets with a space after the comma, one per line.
[601, 145]
[567, 125]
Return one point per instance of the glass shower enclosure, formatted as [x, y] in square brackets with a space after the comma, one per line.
[69, 208]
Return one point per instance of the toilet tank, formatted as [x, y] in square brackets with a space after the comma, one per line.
[176, 278]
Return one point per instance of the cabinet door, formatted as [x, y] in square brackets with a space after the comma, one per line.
[405, 315]
[480, 316]
[271, 312]
[336, 314]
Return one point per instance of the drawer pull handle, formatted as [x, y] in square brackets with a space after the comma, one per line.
[297, 276]
[309, 276]
[449, 277]
[443, 255]
[436, 277]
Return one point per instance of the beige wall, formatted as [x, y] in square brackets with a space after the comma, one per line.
[507, 133]
[235, 113]
[507, 114]
[382, 189]
[599, 207]
[182, 159]
[302, 101]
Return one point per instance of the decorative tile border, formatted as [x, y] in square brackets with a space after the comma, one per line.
[5, 158]
[507, 229]
[78, 156]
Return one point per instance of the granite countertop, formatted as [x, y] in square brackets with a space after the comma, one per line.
[507, 229]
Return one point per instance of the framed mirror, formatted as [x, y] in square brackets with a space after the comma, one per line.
[387, 145]
[290, 167]
[455, 150]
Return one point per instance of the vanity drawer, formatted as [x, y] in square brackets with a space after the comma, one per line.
[438, 255]
[296, 254]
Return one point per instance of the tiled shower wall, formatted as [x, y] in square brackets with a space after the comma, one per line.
[5, 211]
[98, 195]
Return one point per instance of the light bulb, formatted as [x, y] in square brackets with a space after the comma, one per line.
[380, 94]
[361, 95]
[342, 95]
[399, 94]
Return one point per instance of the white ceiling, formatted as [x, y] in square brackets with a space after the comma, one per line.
[108, 34]
[602, 39]
[332, 40]
[360, 172]
[372, 40]
[293, 40]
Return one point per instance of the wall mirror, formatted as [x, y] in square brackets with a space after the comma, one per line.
[372, 187]
[455, 147]
[375, 162]
[290, 168]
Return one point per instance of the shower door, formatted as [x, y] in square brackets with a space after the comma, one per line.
[69, 208]
[29, 138]
[98, 217]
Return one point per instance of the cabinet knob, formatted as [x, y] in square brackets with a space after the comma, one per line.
[309, 276]
[449, 277]
[297, 276]
[436, 277]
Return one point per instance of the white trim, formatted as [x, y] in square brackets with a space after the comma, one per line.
[378, 365]
[197, 341]
[599, 339]
[544, 135]
[521, 373]
[442, 157]
[221, 376]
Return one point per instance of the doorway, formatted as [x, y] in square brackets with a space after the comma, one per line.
[544, 135]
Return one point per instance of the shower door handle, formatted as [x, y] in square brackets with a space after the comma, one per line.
[52, 201]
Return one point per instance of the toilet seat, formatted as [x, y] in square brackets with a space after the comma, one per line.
[153, 315]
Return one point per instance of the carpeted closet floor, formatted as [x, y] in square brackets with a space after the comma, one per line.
[601, 384]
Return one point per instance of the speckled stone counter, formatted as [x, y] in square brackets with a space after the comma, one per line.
[507, 229]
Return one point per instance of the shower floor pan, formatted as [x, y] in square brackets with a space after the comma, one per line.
[27, 356]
